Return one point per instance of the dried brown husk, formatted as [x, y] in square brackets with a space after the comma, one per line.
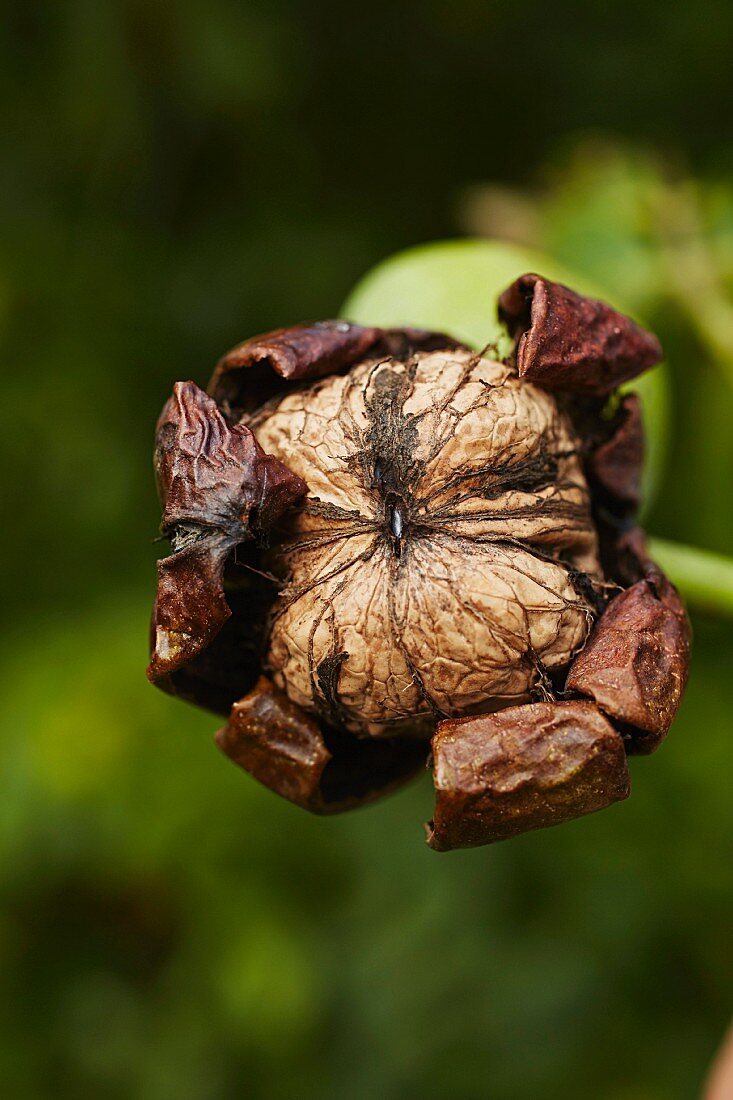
[524, 768]
[571, 343]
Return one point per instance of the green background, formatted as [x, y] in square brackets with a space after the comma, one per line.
[176, 177]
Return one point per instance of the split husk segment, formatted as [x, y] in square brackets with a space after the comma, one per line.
[495, 774]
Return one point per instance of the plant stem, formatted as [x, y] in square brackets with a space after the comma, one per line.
[704, 579]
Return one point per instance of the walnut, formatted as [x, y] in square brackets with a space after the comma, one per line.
[434, 567]
[387, 549]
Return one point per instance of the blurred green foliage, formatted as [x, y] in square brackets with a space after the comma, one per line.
[177, 177]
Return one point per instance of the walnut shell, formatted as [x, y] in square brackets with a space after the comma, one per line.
[435, 566]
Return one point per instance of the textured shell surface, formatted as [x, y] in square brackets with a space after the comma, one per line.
[442, 560]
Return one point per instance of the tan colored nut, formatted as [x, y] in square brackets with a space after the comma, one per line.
[423, 576]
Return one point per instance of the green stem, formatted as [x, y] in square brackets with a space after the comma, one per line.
[704, 579]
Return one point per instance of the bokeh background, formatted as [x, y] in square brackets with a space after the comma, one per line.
[175, 177]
